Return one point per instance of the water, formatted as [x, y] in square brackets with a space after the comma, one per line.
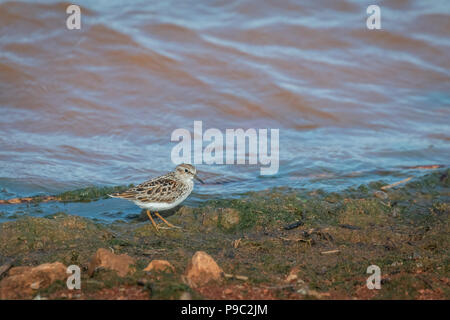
[97, 106]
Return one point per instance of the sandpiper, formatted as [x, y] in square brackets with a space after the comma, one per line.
[162, 193]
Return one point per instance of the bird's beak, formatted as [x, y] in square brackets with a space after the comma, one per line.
[197, 178]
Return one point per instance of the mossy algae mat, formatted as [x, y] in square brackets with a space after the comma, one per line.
[80, 195]
[288, 244]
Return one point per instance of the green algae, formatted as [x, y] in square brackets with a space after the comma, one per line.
[90, 193]
[406, 235]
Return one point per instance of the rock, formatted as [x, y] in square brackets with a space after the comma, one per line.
[229, 218]
[185, 296]
[381, 195]
[293, 275]
[313, 293]
[104, 258]
[202, 269]
[21, 281]
[303, 291]
[395, 212]
[227, 291]
[35, 285]
[160, 266]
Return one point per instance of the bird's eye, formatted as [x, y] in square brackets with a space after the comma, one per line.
[186, 170]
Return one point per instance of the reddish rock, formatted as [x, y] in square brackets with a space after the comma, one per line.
[229, 218]
[104, 258]
[202, 269]
[160, 266]
[22, 281]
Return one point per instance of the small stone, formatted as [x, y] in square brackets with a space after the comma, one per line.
[291, 278]
[35, 285]
[317, 294]
[381, 195]
[185, 296]
[293, 275]
[395, 212]
[202, 269]
[303, 291]
[104, 258]
[160, 266]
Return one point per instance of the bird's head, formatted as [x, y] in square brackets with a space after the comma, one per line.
[187, 171]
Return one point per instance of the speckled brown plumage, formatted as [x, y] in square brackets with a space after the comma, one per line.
[164, 192]
[164, 189]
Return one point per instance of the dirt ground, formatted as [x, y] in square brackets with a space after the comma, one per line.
[276, 244]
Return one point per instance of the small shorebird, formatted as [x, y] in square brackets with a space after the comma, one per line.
[162, 193]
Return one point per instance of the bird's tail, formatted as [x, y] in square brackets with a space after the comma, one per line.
[114, 195]
[123, 195]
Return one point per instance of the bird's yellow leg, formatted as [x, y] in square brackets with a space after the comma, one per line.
[151, 219]
[165, 221]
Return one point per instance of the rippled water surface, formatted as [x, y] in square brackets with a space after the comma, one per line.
[97, 106]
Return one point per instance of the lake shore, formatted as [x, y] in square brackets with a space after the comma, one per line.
[274, 244]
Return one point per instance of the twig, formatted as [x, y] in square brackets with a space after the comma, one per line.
[347, 226]
[235, 276]
[396, 183]
[432, 166]
[330, 252]
[294, 225]
[236, 243]
[297, 240]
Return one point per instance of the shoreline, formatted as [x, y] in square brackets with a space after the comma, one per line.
[274, 244]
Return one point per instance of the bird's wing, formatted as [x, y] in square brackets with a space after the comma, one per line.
[162, 189]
